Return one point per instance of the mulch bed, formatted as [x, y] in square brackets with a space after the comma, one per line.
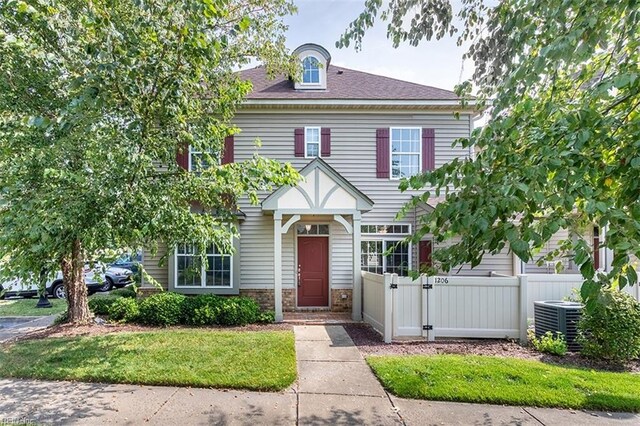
[66, 330]
[369, 342]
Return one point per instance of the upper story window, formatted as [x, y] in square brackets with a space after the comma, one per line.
[198, 161]
[405, 152]
[310, 70]
[312, 141]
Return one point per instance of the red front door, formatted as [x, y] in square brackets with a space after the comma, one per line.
[313, 271]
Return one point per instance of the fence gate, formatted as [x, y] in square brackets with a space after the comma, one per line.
[410, 301]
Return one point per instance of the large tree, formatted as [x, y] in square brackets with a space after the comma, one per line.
[96, 100]
[561, 149]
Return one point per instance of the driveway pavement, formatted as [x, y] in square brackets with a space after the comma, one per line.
[11, 327]
[335, 386]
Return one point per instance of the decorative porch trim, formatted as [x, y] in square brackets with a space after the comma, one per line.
[316, 202]
[342, 221]
[290, 222]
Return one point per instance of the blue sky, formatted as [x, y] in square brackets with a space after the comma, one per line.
[434, 63]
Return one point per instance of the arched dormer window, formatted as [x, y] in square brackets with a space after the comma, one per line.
[310, 70]
[315, 61]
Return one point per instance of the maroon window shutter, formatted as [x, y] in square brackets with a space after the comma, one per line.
[227, 154]
[424, 249]
[382, 152]
[596, 248]
[428, 149]
[182, 156]
[325, 142]
[299, 142]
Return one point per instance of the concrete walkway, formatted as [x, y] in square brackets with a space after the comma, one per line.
[335, 386]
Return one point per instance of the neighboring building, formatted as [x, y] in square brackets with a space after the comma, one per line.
[352, 135]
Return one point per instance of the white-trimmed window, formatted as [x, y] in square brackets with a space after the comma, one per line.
[310, 70]
[405, 151]
[373, 258]
[312, 229]
[312, 142]
[216, 272]
[380, 239]
[197, 160]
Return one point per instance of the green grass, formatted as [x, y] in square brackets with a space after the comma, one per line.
[494, 380]
[27, 308]
[262, 360]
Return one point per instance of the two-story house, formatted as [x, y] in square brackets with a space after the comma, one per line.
[353, 136]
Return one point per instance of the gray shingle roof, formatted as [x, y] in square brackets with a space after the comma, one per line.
[343, 83]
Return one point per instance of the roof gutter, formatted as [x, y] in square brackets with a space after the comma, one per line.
[360, 102]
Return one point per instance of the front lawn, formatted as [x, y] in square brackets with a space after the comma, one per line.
[494, 380]
[256, 360]
[27, 308]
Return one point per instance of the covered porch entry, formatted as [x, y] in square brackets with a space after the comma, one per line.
[321, 217]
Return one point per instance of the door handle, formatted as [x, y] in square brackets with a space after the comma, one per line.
[299, 273]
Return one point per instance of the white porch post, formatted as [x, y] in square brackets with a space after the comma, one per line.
[357, 275]
[277, 265]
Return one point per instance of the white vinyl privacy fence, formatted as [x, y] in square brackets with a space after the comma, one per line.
[430, 307]
[560, 287]
[457, 306]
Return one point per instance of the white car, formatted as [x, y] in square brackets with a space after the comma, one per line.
[55, 287]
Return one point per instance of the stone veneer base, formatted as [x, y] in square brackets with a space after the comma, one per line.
[341, 299]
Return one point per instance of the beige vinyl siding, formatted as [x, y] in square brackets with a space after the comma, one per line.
[353, 155]
[501, 263]
[152, 266]
[341, 256]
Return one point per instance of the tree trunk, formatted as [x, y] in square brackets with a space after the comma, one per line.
[75, 287]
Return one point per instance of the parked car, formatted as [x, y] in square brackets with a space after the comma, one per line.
[129, 261]
[93, 278]
[116, 277]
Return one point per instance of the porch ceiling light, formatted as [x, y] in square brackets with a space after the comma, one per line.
[308, 228]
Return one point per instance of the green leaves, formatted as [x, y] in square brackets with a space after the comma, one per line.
[96, 99]
[559, 153]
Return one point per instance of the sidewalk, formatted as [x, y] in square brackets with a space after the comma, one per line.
[335, 386]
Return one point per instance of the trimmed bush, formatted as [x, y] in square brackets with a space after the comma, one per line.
[238, 311]
[548, 343]
[611, 329]
[203, 309]
[266, 317]
[162, 309]
[125, 292]
[124, 309]
[100, 305]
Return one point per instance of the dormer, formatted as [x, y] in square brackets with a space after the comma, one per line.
[315, 61]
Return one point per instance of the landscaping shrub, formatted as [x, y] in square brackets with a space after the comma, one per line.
[203, 309]
[611, 329]
[238, 311]
[124, 309]
[266, 317]
[548, 343]
[125, 292]
[100, 305]
[162, 309]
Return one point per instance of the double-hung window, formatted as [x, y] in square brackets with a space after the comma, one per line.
[216, 272]
[405, 151]
[312, 142]
[198, 160]
[382, 252]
